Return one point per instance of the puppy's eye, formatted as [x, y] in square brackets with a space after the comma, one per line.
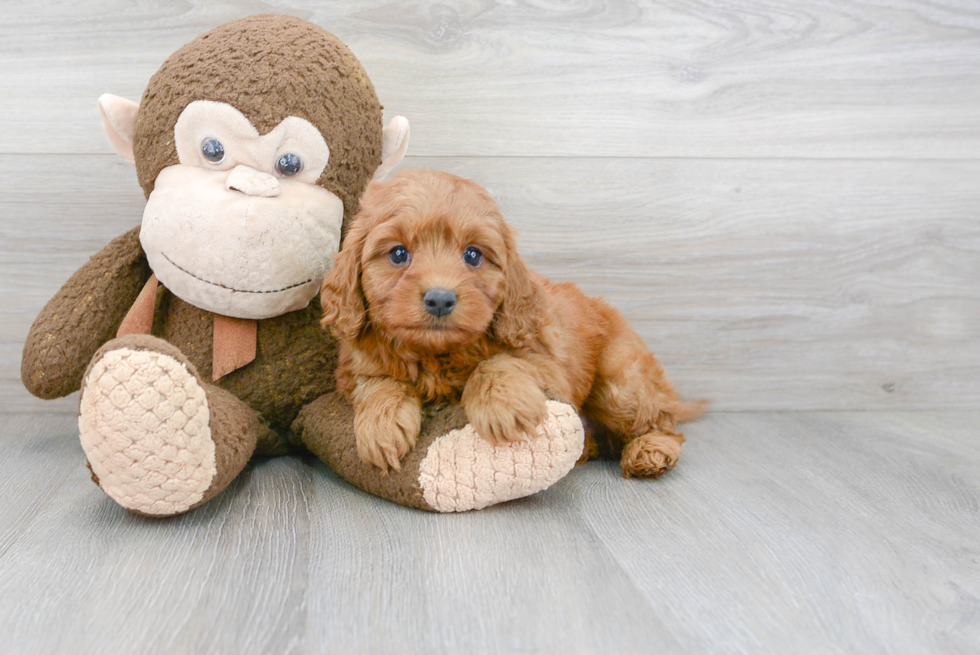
[472, 256]
[289, 165]
[399, 255]
[213, 151]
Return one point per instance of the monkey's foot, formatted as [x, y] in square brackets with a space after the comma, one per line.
[144, 426]
[463, 471]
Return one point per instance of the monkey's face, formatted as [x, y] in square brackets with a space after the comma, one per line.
[239, 227]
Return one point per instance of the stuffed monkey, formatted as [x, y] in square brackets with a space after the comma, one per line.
[195, 338]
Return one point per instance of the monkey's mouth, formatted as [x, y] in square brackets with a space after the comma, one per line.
[225, 286]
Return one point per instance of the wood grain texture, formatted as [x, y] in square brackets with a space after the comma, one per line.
[781, 196]
[809, 533]
[823, 532]
[770, 284]
[85, 576]
[41, 452]
[754, 78]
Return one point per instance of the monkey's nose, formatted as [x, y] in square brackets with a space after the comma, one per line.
[439, 301]
[252, 182]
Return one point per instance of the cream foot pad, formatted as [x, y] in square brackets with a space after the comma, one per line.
[462, 471]
[143, 419]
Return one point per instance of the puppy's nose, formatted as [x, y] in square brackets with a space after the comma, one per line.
[439, 301]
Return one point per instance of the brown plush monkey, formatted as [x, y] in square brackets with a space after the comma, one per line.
[194, 339]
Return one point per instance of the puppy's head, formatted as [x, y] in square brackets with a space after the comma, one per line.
[431, 262]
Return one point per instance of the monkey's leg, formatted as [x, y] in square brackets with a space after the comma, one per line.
[452, 469]
[159, 440]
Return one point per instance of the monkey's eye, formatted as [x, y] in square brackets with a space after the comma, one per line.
[289, 165]
[213, 151]
[472, 256]
[399, 255]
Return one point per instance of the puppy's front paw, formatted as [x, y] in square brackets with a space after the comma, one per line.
[507, 409]
[387, 432]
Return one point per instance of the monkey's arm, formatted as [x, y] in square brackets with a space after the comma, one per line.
[84, 314]
[451, 469]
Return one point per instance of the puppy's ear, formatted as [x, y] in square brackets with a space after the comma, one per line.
[340, 295]
[519, 316]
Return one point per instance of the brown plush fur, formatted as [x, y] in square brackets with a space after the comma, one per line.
[83, 315]
[269, 67]
[293, 364]
[513, 339]
[284, 63]
[324, 428]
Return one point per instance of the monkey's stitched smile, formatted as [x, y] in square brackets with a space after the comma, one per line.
[225, 286]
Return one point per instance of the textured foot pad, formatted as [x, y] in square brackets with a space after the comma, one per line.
[143, 420]
[462, 471]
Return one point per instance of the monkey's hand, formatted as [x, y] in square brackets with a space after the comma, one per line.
[503, 401]
[83, 315]
[387, 418]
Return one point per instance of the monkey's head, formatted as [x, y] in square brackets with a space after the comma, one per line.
[252, 143]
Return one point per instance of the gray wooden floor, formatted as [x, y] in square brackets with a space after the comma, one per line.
[783, 196]
[819, 532]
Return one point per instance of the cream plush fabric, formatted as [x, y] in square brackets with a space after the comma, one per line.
[143, 422]
[463, 471]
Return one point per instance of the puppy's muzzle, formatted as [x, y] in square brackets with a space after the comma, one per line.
[439, 301]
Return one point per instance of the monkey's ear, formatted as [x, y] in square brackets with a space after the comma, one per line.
[393, 147]
[119, 122]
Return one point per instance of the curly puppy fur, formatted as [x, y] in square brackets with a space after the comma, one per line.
[512, 339]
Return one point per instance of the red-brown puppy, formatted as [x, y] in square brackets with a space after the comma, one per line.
[431, 301]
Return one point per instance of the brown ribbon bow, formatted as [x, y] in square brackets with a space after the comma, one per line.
[234, 338]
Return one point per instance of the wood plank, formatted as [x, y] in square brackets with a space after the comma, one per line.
[808, 533]
[804, 533]
[88, 577]
[773, 284]
[41, 451]
[754, 78]
[524, 577]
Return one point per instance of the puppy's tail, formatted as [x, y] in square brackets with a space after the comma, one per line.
[685, 411]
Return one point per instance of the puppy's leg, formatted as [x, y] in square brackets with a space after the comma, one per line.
[387, 416]
[503, 399]
[633, 398]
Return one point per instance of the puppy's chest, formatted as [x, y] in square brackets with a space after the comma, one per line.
[442, 378]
